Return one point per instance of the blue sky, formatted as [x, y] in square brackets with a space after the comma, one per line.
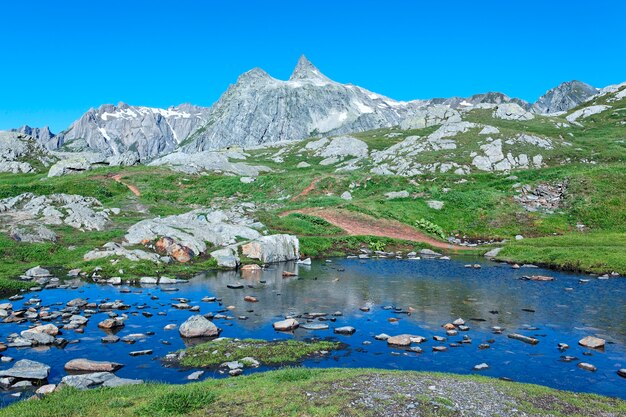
[59, 58]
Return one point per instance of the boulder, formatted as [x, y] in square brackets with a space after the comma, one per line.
[286, 325]
[592, 342]
[112, 323]
[346, 330]
[69, 166]
[587, 367]
[198, 326]
[87, 365]
[97, 379]
[226, 258]
[27, 369]
[274, 248]
[402, 340]
[492, 253]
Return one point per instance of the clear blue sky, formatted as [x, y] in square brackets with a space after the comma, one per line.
[59, 58]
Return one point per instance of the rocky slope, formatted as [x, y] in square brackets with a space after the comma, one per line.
[114, 130]
[564, 97]
[260, 109]
[42, 135]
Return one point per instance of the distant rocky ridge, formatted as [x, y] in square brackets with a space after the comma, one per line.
[259, 109]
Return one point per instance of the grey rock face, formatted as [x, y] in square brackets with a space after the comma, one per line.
[43, 135]
[114, 130]
[586, 112]
[260, 109]
[563, 97]
[126, 159]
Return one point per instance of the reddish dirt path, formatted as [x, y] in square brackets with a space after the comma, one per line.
[132, 188]
[357, 224]
[307, 190]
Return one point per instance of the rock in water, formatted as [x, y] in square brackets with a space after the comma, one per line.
[87, 365]
[27, 369]
[402, 340]
[592, 342]
[286, 325]
[525, 339]
[198, 326]
[587, 367]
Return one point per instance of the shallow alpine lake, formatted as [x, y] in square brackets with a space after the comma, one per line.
[434, 291]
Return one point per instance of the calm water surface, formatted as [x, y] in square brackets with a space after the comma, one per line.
[438, 291]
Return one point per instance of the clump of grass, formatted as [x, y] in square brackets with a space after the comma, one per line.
[178, 402]
[270, 353]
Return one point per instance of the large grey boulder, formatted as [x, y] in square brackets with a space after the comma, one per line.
[125, 159]
[198, 326]
[97, 379]
[226, 258]
[274, 248]
[512, 111]
[87, 365]
[69, 166]
[37, 233]
[27, 369]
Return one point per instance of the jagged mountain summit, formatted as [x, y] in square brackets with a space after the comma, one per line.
[260, 109]
[42, 135]
[114, 130]
[564, 97]
[484, 98]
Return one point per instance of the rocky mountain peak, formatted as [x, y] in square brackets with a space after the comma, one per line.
[305, 70]
[253, 76]
[564, 97]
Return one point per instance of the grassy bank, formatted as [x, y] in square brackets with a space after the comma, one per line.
[585, 252]
[328, 392]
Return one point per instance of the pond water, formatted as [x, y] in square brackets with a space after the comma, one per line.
[436, 292]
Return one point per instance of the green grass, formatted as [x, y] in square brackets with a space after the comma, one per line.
[302, 392]
[214, 353]
[590, 252]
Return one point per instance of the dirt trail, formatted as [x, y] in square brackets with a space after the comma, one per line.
[132, 188]
[307, 190]
[357, 224]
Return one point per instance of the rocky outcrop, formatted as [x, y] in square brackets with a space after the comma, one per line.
[25, 214]
[431, 116]
[260, 109]
[563, 97]
[217, 162]
[194, 229]
[512, 111]
[43, 136]
[274, 248]
[19, 152]
[586, 112]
